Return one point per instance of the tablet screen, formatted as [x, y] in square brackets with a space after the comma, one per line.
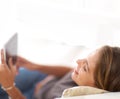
[10, 49]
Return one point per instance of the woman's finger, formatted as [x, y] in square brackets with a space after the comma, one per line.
[12, 67]
[2, 57]
[10, 63]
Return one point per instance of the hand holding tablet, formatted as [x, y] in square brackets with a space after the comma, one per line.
[10, 49]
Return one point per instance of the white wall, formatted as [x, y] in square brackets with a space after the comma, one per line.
[86, 22]
[7, 20]
[76, 22]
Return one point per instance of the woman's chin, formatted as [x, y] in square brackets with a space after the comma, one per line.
[73, 76]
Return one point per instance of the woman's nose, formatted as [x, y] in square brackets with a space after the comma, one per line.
[79, 61]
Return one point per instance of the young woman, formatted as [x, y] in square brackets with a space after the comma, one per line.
[100, 69]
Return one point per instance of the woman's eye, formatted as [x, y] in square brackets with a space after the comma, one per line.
[84, 68]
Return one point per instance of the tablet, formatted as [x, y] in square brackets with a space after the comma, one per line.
[10, 49]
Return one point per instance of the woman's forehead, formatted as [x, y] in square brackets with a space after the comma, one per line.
[93, 53]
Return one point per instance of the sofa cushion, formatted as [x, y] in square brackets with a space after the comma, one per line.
[82, 90]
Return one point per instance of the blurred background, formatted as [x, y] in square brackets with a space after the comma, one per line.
[49, 24]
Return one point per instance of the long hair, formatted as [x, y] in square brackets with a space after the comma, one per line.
[107, 71]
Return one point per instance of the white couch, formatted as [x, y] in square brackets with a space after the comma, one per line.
[48, 51]
[112, 95]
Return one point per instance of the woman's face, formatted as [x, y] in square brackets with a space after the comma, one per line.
[83, 74]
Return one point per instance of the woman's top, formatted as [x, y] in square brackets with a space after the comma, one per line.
[54, 88]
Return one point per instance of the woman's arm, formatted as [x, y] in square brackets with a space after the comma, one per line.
[14, 93]
[56, 70]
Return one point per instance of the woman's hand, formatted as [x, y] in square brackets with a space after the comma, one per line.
[7, 73]
[22, 62]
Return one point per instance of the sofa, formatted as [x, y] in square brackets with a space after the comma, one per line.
[111, 95]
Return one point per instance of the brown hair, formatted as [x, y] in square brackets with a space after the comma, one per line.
[107, 71]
